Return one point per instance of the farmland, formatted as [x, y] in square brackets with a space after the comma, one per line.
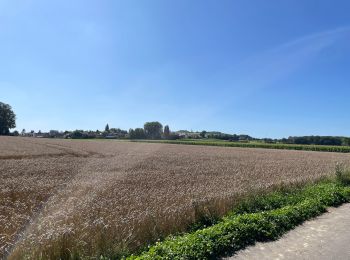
[110, 197]
[255, 144]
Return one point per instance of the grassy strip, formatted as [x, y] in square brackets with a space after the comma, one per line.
[319, 148]
[258, 219]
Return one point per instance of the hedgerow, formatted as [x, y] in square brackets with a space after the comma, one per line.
[257, 219]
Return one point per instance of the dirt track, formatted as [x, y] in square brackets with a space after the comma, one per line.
[326, 237]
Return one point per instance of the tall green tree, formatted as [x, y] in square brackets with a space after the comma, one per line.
[7, 119]
[153, 130]
[107, 128]
[166, 132]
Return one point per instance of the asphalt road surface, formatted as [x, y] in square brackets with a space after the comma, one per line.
[326, 237]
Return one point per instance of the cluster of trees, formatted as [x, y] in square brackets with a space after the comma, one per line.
[107, 133]
[80, 134]
[317, 140]
[137, 133]
[152, 130]
[228, 137]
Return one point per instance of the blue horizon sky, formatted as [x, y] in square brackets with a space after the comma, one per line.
[263, 68]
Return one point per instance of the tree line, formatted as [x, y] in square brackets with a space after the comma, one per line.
[317, 140]
[150, 130]
[155, 130]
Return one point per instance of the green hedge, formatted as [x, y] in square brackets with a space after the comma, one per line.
[257, 219]
[320, 148]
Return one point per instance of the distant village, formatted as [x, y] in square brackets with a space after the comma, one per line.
[156, 131]
[138, 133]
[119, 134]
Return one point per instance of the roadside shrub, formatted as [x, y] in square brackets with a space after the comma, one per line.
[255, 220]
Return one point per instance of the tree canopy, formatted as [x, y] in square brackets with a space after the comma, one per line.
[138, 133]
[153, 130]
[7, 119]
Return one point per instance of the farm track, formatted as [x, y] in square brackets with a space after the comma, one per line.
[102, 195]
[26, 225]
[34, 156]
[74, 152]
[64, 151]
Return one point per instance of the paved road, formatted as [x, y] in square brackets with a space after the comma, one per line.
[326, 237]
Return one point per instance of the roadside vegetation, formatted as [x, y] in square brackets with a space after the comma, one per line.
[259, 218]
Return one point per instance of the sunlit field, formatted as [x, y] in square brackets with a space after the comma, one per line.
[64, 198]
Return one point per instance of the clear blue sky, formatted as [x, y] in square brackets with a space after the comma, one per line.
[265, 68]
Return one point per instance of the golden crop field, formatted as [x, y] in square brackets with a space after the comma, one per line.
[62, 197]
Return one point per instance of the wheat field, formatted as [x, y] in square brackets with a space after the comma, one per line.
[64, 198]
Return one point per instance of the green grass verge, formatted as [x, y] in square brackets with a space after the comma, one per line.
[319, 148]
[256, 219]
